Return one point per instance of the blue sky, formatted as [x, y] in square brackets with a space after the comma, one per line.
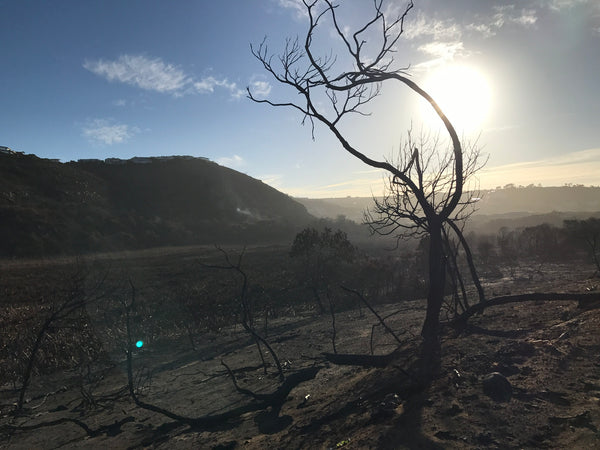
[146, 78]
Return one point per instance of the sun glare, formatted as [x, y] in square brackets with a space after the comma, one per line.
[463, 93]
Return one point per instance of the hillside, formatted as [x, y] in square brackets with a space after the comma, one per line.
[50, 208]
[510, 206]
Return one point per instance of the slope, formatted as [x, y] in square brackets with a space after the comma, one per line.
[50, 208]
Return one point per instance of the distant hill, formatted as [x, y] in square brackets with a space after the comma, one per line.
[539, 200]
[50, 208]
[510, 206]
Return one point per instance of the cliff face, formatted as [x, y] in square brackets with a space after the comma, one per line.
[49, 208]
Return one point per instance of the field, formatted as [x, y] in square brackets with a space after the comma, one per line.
[187, 313]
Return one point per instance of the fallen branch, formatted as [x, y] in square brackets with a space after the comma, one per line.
[234, 381]
[583, 299]
[262, 401]
[246, 319]
[368, 305]
[377, 324]
[342, 359]
[110, 430]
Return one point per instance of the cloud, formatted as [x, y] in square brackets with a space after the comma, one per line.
[582, 167]
[443, 50]
[296, 6]
[559, 5]
[488, 26]
[273, 180]
[233, 162]
[140, 71]
[485, 29]
[208, 84]
[527, 18]
[152, 74]
[440, 38]
[260, 88]
[354, 187]
[107, 132]
[422, 26]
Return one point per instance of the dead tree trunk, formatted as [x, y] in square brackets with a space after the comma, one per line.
[431, 327]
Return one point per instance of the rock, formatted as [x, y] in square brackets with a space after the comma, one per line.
[389, 406]
[485, 438]
[453, 410]
[497, 387]
[445, 435]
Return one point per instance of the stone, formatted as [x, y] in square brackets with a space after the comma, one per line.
[497, 387]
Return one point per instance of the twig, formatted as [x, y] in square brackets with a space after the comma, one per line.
[383, 324]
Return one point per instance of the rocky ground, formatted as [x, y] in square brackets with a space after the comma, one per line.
[549, 352]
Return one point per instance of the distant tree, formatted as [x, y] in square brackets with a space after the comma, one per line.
[485, 249]
[542, 241]
[587, 232]
[333, 87]
[508, 249]
[321, 256]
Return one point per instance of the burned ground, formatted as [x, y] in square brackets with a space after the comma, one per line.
[548, 351]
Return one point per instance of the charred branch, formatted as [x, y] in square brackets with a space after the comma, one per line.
[583, 299]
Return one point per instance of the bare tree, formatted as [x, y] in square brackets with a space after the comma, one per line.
[321, 256]
[330, 88]
[246, 316]
[65, 317]
[588, 232]
[400, 214]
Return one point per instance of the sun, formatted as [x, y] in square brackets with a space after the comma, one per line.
[463, 93]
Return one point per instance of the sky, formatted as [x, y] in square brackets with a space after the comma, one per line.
[118, 79]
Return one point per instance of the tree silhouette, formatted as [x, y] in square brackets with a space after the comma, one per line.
[588, 232]
[331, 88]
[321, 256]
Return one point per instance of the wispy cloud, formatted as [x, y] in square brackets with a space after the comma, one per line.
[146, 73]
[501, 16]
[422, 26]
[508, 14]
[107, 132]
[439, 39]
[443, 50]
[588, 9]
[296, 6]
[153, 74]
[260, 88]
[527, 18]
[582, 167]
[273, 180]
[208, 84]
[559, 5]
[440, 53]
[355, 187]
[233, 162]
